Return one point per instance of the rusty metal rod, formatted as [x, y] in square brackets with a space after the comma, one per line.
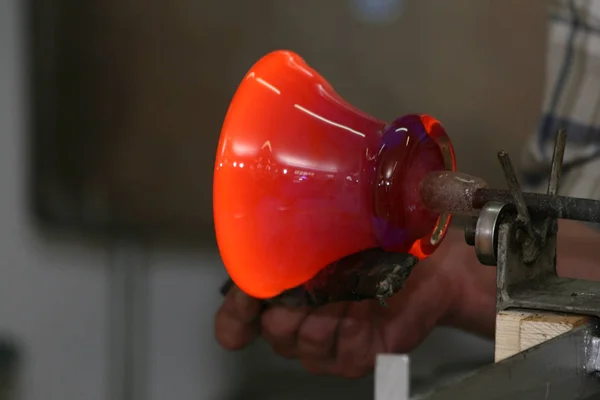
[515, 190]
[553, 183]
[557, 162]
[561, 207]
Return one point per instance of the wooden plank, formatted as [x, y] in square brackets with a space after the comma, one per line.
[519, 330]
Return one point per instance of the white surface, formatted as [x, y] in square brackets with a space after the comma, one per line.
[392, 377]
[52, 295]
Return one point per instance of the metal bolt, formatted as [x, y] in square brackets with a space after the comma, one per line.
[470, 231]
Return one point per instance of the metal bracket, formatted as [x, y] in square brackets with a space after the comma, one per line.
[523, 245]
[537, 286]
[524, 250]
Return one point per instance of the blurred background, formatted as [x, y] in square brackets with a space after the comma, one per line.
[110, 113]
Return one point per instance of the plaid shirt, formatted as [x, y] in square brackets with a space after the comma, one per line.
[571, 101]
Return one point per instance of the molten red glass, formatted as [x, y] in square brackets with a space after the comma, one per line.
[303, 178]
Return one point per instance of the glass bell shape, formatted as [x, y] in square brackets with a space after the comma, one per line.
[303, 179]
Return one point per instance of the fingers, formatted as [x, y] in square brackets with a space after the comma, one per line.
[358, 342]
[336, 339]
[302, 333]
[340, 338]
[352, 350]
[237, 322]
[280, 326]
[318, 333]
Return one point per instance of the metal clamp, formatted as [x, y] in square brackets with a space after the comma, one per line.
[486, 233]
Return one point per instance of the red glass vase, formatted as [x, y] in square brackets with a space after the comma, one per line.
[303, 179]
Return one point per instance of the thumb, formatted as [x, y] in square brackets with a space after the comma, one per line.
[237, 320]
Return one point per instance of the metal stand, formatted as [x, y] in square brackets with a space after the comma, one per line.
[522, 246]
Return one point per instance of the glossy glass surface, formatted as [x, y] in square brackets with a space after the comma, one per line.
[303, 178]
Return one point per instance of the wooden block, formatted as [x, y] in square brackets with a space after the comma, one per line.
[392, 377]
[519, 330]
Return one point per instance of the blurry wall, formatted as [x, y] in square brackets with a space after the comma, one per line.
[151, 84]
[54, 293]
[476, 65]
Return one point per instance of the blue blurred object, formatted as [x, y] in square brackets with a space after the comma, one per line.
[377, 11]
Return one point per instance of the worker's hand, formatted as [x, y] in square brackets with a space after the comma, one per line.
[344, 338]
